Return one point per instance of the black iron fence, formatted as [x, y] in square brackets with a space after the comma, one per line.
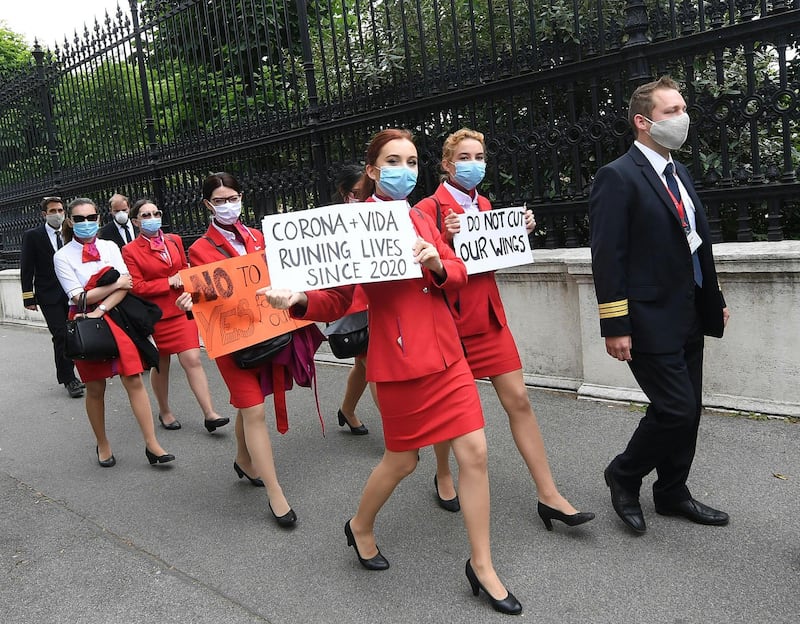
[281, 92]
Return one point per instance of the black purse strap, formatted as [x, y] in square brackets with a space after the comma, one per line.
[82, 303]
[220, 248]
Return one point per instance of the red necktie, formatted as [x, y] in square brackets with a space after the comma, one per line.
[90, 253]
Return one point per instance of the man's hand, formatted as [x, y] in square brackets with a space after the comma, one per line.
[726, 315]
[619, 347]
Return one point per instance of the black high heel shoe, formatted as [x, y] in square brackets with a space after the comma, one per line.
[508, 605]
[450, 504]
[378, 562]
[105, 463]
[158, 459]
[548, 514]
[287, 520]
[256, 481]
[360, 430]
[212, 425]
[171, 426]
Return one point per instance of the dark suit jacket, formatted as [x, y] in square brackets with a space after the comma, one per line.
[641, 261]
[110, 231]
[40, 285]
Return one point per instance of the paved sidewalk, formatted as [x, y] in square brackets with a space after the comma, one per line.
[191, 543]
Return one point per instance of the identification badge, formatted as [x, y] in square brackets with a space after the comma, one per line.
[694, 240]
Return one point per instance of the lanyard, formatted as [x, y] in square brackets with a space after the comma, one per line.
[681, 211]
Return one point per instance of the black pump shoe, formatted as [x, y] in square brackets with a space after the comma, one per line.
[450, 504]
[378, 562]
[158, 459]
[256, 481]
[171, 426]
[360, 430]
[287, 520]
[508, 605]
[213, 425]
[105, 463]
[548, 514]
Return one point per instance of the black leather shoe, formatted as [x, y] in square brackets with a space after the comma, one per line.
[450, 504]
[213, 425]
[360, 430]
[695, 511]
[105, 463]
[256, 481]
[75, 388]
[171, 426]
[508, 605]
[625, 503]
[287, 520]
[548, 514]
[158, 459]
[378, 562]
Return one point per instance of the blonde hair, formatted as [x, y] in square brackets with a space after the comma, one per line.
[450, 143]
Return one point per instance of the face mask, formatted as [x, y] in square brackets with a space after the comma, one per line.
[397, 182]
[228, 214]
[121, 217]
[150, 226]
[671, 132]
[85, 229]
[55, 220]
[469, 174]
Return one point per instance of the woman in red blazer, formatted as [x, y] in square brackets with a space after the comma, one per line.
[425, 390]
[228, 237]
[482, 325]
[154, 259]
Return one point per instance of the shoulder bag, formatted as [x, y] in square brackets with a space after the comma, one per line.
[89, 338]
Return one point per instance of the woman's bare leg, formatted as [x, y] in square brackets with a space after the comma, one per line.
[259, 447]
[444, 477]
[96, 412]
[356, 384]
[140, 404]
[198, 382]
[159, 379]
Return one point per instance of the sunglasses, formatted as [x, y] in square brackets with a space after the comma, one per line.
[148, 215]
[82, 218]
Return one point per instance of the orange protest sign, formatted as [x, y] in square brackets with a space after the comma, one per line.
[228, 313]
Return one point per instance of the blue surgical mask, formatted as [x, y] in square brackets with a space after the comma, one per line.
[85, 229]
[469, 173]
[150, 226]
[397, 182]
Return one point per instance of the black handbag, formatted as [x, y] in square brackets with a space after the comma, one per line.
[89, 338]
[349, 336]
[260, 353]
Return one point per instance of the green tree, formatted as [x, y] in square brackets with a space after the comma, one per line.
[14, 52]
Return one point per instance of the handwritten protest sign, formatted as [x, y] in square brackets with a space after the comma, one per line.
[227, 311]
[493, 239]
[341, 244]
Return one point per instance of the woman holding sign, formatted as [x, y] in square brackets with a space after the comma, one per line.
[481, 322]
[154, 260]
[425, 390]
[227, 237]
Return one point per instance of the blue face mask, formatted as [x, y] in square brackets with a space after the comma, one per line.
[85, 229]
[397, 182]
[150, 226]
[469, 173]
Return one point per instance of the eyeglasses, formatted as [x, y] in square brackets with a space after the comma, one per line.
[82, 218]
[148, 215]
[219, 201]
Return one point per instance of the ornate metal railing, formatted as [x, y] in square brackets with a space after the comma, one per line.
[282, 92]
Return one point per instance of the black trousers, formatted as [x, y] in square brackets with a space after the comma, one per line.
[666, 437]
[55, 315]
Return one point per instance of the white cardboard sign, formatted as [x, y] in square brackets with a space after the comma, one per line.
[493, 239]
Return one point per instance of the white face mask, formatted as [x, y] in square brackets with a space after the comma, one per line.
[670, 132]
[228, 214]
[121, 217]
[55, 220]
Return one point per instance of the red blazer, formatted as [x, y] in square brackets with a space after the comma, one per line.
[411, 331]
[150, 272]
[480, 299]
[202, 251]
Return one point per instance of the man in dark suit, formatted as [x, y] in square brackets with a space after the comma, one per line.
[40, 286]
[119, 229]
[658, 296]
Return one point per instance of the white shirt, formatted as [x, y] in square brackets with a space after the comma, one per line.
[231, 238]
[73, 273]
[51, 233]
[129, 227]
[466, 201]
[659, 163]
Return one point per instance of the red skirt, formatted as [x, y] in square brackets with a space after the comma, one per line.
[176, 335]
[492, 353]
[431, 409]
[129, 362]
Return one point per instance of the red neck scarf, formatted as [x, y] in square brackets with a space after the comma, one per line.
[90, 252]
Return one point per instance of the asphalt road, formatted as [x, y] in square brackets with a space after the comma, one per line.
[191, 543]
